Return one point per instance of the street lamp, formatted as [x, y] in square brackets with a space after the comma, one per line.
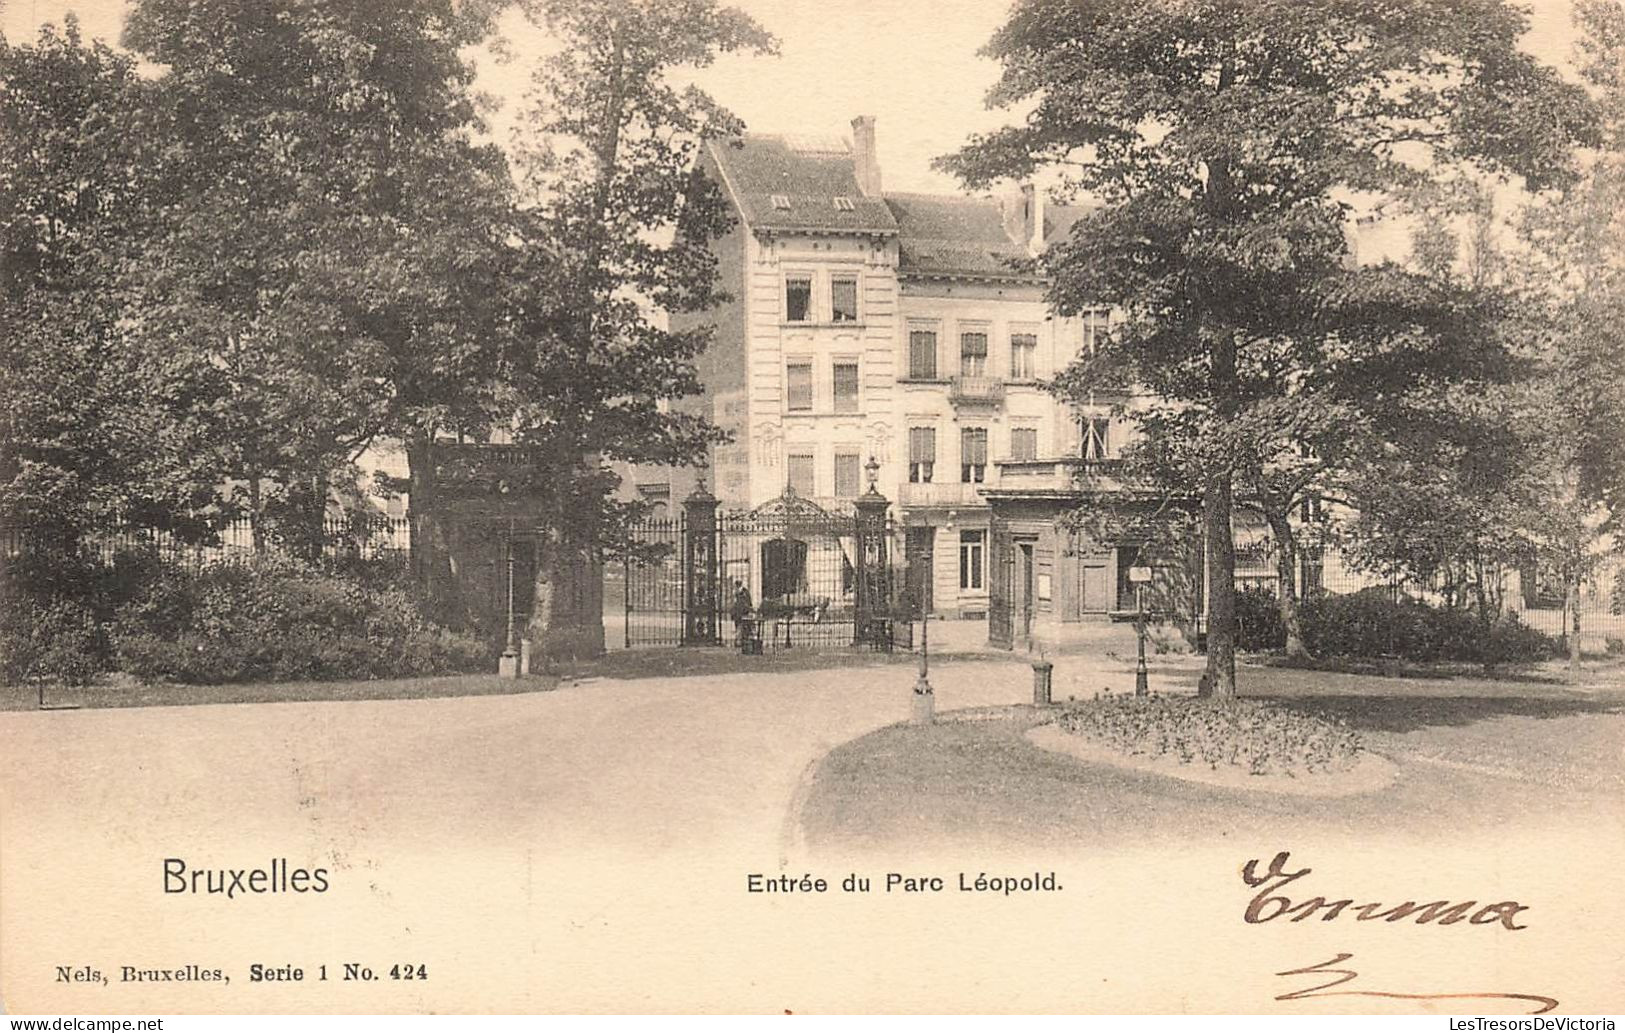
[508, 665]
[1140, 577]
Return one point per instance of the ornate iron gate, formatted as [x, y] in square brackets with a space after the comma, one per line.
[791, 572]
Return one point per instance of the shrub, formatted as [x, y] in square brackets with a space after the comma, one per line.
[58, 640]
[1258, 621]
[1372, 623]
[283, 619]
[1260, 738]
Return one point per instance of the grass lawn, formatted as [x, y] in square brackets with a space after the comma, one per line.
[1469, 750]
[122, 691]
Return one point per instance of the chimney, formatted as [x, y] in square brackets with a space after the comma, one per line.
[865, 163]
[1032, 221]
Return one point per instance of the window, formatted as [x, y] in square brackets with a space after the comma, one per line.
[798, 387]
[922, 354]
[846, 475]
[844, 204]
[1024, 443]
[1096, 434]
[802, 480]
[973, 354]
[972, 454]
[1023, 356]
[846, 387]
[922, 454]
[1095, 321]
[843, 298]
[781, 202]
[797, 298]
[970, 559]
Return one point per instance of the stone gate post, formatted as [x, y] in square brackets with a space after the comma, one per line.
[872, 598]
[700, 600]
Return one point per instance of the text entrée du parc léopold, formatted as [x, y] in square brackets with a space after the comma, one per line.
[897, 882]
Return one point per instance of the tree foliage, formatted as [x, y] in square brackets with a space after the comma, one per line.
[1226, 141]
[324, 233]
[621, 221]
[90, 427]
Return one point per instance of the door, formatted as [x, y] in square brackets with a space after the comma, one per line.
[1000, 586]
[1025, 589]
[918, 549]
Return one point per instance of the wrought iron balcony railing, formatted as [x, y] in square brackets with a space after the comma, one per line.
[976, 391]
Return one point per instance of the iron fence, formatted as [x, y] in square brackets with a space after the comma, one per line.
[365, 537]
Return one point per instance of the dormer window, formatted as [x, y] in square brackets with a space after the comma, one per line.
[781, 202]
[844, 204]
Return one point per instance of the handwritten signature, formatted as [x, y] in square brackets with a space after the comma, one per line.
[1348, 975]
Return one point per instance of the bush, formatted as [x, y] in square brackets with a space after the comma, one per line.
[1372, 623]
[58, 640]
[1258, 621]
[280, 619]
[1260, 738]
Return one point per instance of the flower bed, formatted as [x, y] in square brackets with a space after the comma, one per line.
[1256, 738]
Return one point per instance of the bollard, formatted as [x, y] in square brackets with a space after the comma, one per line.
[524, 657]
[1042, 671]
[925, 707]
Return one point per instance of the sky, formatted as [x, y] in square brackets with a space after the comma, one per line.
[910, 63]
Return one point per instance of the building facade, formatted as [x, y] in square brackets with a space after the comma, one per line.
[904, 328]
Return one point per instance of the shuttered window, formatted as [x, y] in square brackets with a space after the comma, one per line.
[922, 354]
[973, 354]
[1023, 356]
[973, 455]
[797, 299]
[801, 474]
[843, 294]
[1024, 443]
[846, 387]
[798, 387]
[922, 454]
[846, 475]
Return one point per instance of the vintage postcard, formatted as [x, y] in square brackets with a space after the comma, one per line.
[760, 506]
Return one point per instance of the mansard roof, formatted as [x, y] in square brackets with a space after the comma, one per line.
[939, 234]
[807, 174]
[803, 183]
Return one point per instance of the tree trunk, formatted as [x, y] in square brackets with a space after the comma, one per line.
[1286, 565]
[1221, 586]
[429, 558]
[1572, 598]
[256, 521]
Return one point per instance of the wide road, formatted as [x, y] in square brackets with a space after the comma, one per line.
[464, 825]
[590, 848]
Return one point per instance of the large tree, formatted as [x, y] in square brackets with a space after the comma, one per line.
[620, 215]
[91, 430]
[1226, 140]
[324, 235]
[1572, 278]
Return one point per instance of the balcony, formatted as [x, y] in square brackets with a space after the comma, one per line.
[976, 392]
[948, 495]
[1056, 476]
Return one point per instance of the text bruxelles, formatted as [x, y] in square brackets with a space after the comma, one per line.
[896, 882]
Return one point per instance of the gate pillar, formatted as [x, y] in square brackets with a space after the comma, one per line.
[700, 601]
[872, 598]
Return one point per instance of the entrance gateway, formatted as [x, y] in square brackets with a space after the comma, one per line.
[804, 575]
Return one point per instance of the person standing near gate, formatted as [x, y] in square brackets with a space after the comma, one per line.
[740, 611]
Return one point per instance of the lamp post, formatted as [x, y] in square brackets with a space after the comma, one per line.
[508, 665]
[1140, 576]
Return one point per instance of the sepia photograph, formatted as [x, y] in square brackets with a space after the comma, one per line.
[760, 507]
